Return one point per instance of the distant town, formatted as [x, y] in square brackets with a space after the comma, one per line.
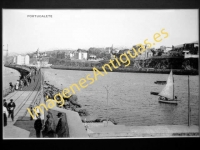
[182, 56]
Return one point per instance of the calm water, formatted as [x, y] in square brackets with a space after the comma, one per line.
[129, 98]
[9, 75]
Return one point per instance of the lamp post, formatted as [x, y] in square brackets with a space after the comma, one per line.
[61, 87]
[189, 109]
[106, 87]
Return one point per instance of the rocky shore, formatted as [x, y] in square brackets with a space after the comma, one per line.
[72, 104]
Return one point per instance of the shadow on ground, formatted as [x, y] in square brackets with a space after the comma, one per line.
[26, 124]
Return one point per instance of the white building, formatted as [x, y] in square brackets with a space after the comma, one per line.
[21, 59]
[82, 54]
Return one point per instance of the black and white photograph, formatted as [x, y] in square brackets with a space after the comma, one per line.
[100, 73]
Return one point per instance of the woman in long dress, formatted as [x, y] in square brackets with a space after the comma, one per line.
[17, 85]
[5, 115]
[20, 84]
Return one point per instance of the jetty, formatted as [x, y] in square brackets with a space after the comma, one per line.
[23, 127]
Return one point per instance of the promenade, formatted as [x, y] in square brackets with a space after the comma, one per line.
[19, 128]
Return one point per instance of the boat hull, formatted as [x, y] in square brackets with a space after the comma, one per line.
[154, 93]
[168, 101]
[160, 82]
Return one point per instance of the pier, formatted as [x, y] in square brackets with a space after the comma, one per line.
[22, 127]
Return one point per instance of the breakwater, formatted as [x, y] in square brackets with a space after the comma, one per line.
[72, 104]
[131, 70]
[23, 70]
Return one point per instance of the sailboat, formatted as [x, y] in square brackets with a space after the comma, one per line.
[167, 94]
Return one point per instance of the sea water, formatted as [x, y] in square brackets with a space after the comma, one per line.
[129, 98]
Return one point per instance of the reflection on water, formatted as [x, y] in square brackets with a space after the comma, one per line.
[129, 99]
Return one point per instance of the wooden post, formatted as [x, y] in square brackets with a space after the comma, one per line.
[173, 86]
[188, 101]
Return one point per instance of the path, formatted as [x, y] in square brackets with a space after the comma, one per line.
[23, 99]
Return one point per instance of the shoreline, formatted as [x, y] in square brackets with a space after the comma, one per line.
[73, 105]
[130, 70]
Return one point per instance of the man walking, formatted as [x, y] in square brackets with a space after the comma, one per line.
[38, 126]
[61, 130]
[48, 127]
[11, 107]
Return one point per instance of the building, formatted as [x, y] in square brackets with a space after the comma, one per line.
[92, 57]
[21, 59]
[82, 54]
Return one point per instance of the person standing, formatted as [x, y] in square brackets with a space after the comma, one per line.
[5, 104]
[21, 84]
[48, 127]
[11, 87]
[5, 115]
[30, 79]
[38, 126]
[61, 130]
[11, 107]
[34, 78]
[31, 109]
[17, 85]
[26, 81]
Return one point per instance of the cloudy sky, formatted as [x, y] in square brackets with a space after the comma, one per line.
[82, 28]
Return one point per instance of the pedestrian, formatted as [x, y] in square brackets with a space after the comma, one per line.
[30, 79]
[17, 85]
[37, 110]
[48, 127]
[35, 71]
[34, 78]
[61, 130]
[21, 84]
[11, 87]
[31, 109]
[11, 107]
[38, 126]
[24, 82]
[5, 115]
[27, 82]
[5, 104]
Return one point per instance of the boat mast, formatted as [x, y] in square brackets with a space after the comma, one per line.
[173, 86]
[188, 101]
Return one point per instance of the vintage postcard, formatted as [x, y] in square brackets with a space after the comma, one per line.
[100, 73]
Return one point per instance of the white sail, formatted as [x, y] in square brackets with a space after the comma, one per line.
[168, 89]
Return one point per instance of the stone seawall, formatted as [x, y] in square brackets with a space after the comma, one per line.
[131, 70]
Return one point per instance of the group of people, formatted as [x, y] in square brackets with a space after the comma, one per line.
[24, 80]
[166, 99]
[8, 110]
[48, 128]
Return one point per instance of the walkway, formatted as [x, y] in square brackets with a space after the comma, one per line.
[101, 130]
[23, 99]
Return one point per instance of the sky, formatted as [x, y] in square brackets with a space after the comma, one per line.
[85, 28]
